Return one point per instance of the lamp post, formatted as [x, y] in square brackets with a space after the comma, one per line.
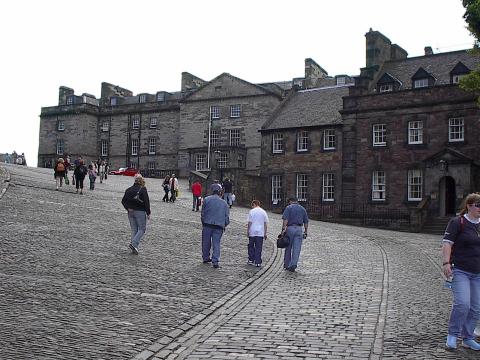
[218, 153]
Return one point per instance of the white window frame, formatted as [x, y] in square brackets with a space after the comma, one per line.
[329, 140]
[104, 148]
[276, 189]
[152, 146]
[234, 137]
[223, 160]
[134, 147]
[142, 98]
[379, 135]
[214, 137]
[235, 110]
[105, 126]
[378, 186]
[277, 143]
[328, 187]
[133, 165]
[200, 162]
[151, 165]
[61, 125]
[385, 88]
[456, 78]
[113, 101]
[70, 100]
[420, 83]
[415, 132]
[153, 123]
[214, 112]
[302, 141]
[160, 97]
[136, 123]
[60, 146]
[341, 80]
[415, 182]
[302, 187]
[456, 129]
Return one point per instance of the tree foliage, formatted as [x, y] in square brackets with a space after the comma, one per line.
[471, 82]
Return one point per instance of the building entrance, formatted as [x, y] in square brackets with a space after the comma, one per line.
[447, 196]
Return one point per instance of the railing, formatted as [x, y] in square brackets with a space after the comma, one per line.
[157, 173]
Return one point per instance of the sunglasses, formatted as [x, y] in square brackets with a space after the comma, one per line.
[477, 205]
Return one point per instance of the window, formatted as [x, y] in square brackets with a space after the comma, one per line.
[151, 165]
[456, 78]
[152, 146]
[223, 160]
[234, 137]
[135, 122]
[70, 100]
[455, 129]
[214, 112]
[142, 98]
[415, 132]
[414, 185]
[104, 150]
[341, 80]
[134, 146]
[133, 165]
[277, 143]
[235, 111]
[60, 147]
[420, 83]
[105, 126]
[328, 187]
[61, 125]
[276, 189]
[161, 97]
[113, 101]
[153, 123]
[378, 186]
[302, 141]
[329, 139]
[200, 162]
[302, 187]
[385, 88]
[214, 138]
[379, 135]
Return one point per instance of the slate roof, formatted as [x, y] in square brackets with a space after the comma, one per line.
[306, 108]
[438, 65]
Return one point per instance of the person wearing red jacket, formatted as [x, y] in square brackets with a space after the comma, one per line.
[197, 194]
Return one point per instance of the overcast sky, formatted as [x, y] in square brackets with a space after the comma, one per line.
[145, 45]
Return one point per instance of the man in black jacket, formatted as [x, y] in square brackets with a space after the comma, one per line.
[136, 202]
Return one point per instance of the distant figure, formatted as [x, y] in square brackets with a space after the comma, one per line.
[92, 175]
[101, 171]
[136, 202]
[59, 172]
[173, 188]
[256, 232]
[197, 195]
[295, 218]
[80, 172]
[215, 218]
[228, 191]
[166, 188]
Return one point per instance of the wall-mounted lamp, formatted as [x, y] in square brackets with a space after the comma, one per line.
[443, 165]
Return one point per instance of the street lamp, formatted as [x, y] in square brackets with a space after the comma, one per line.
[218, 154]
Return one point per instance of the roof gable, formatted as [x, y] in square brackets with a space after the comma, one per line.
[460, 69]
[421, 74]
[227, 86]
[386, 78]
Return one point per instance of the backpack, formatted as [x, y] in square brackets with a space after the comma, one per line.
[60, 167]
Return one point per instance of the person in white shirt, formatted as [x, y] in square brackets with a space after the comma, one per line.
[256, 232]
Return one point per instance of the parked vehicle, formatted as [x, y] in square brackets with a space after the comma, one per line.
[124, 171]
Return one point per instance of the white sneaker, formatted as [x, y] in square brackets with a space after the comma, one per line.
[476, 332]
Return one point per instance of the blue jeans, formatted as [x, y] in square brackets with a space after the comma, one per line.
[255, 244]
[466, 304]
[211, 240]
[228, 198]
[138, 224]
[292, 251]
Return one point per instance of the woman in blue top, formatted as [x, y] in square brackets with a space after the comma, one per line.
[461, 258]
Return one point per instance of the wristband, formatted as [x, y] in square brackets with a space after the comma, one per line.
[445, 263]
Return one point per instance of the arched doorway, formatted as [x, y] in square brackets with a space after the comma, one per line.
[447, 196]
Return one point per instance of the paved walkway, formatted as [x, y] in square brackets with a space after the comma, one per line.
[70, 289]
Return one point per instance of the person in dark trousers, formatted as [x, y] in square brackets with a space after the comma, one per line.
[215, 217]
[256, 232]
[461, 259]
[80, 172]
[295, 218]
[166, 188]
[59, 172]
[173, 188]
[136, 202]
[228, 191]
[196, 193]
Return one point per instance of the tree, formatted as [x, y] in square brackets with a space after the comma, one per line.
[471, 82]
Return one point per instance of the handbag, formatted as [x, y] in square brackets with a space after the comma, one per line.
[282, 240]
[67, 182]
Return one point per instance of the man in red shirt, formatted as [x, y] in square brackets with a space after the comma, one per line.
[197, 193]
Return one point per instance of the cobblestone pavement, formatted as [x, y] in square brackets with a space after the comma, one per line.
[75, 292]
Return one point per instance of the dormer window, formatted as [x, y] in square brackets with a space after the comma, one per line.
[161, 97]
[70, 100]
[388, 83]
[422, 79]
[113, 101]
[142, 98]
[385, 88]
[458, 72]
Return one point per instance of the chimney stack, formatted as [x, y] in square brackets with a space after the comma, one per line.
[428, 50]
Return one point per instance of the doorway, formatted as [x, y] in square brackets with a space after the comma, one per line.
[447, 196]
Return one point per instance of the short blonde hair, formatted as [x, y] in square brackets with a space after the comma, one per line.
[139, 180]
[61, 160]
